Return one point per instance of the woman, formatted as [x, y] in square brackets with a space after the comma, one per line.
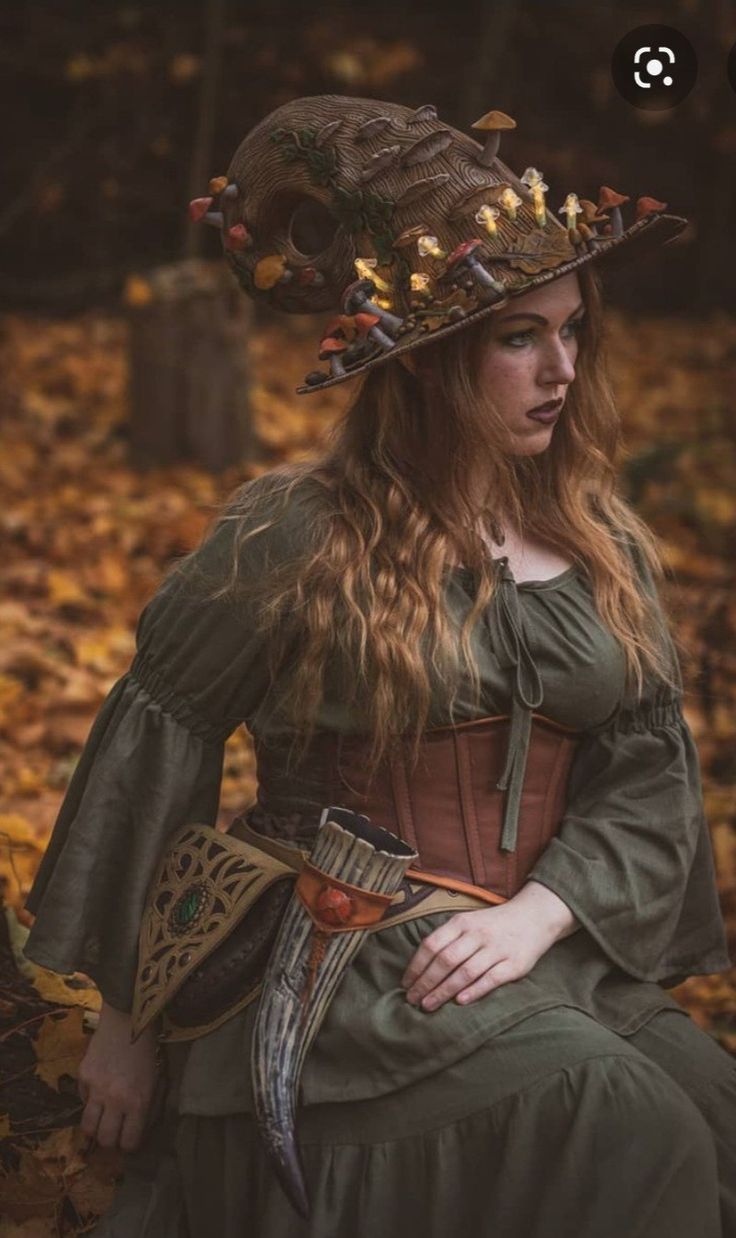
[452, 576]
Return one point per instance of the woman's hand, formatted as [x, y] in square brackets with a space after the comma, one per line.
[116, 1081]
[476, 951]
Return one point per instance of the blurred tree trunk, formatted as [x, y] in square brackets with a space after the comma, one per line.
[189, 379]
[189, 370]
[199, 167]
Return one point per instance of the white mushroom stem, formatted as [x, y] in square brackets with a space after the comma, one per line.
[381, 338]
[490, 149]
[540, 210]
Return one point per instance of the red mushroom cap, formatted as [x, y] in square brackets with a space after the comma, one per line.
[236, 237]
[609, 197]
[647, 206]
[330, 345]
[343, 326]
[198, 208]
[364, 322]
[462, 251]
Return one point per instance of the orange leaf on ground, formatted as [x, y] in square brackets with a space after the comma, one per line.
[60, 1046]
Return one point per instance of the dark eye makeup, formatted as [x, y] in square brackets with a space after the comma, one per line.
[573, 323]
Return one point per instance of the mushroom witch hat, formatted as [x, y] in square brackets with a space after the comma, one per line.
[400, 227]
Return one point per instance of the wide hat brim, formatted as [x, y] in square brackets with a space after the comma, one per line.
[610, 253]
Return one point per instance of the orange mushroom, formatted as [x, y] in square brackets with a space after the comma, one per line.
[648, 206]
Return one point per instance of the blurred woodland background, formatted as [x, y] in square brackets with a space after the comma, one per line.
[114, 116]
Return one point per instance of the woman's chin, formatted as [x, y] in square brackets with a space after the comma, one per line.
[531, 444]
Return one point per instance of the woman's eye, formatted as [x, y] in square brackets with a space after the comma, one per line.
[573, 327]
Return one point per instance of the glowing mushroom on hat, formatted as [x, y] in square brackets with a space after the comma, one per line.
[610, 200]
[571, 208]
[421, 293]
[510, 201]
[429, 247]
[465, 258]
[532, 178]
[487, 216]
[492, 125]
[648, 206]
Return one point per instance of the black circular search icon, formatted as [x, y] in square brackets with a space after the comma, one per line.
[654, 67]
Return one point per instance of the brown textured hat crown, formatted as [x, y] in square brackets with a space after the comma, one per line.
[402, 227]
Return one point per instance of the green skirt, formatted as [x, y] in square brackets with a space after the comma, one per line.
[555, 1128]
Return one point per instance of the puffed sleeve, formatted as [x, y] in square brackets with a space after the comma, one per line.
[633, 858]
[152, 761]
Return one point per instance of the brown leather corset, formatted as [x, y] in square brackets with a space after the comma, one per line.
[448, 809]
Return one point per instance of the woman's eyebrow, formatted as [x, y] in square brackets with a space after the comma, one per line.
[537, 317]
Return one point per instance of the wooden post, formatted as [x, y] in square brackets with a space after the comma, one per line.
[189, 373]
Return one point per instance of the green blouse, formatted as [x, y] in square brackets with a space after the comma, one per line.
[632, 858]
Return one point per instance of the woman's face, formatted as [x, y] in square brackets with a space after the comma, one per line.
[530, 356]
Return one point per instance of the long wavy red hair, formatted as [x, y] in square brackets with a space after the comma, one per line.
[391, 511]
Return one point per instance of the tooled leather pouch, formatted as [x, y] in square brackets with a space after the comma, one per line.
[210, 921]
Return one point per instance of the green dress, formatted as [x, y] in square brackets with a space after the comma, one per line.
[524, 1113]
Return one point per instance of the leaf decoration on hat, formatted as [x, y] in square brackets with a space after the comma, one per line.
[301, 145]
[361, 210]
[420, 189]
[541, 251]
[427, 147]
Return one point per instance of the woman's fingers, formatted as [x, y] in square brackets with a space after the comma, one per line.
[441, 982]
[501, 973]
[432, 944]
[132, 1129]
[443, 962]
[108, 1131]
[91, 1118]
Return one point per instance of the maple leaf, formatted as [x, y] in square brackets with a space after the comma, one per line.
[60, 1045]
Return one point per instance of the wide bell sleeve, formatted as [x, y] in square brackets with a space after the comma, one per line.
[633, 858]
[152, 761]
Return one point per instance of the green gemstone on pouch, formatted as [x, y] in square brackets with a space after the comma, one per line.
[187, 907]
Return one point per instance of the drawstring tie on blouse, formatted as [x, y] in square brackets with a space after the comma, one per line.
[528, 692]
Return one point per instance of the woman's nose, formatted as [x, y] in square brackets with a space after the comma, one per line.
[558, 364]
